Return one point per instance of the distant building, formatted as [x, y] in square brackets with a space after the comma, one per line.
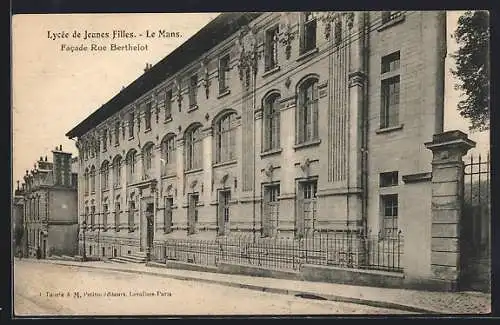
[17, 222]
[50, 206]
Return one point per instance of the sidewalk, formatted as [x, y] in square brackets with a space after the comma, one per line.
[409, 300]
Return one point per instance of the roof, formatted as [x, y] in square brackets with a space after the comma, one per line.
[209, 36]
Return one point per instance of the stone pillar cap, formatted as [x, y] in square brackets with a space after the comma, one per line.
[450, 138]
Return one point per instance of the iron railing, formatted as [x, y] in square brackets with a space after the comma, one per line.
[348, 249]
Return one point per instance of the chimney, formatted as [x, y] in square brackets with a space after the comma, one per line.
[45, 158]
[60, 147]
[61, 167]
[41, 158]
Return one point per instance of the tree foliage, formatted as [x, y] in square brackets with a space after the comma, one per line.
[472, 69]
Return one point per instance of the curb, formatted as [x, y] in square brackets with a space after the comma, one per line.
[296, 293]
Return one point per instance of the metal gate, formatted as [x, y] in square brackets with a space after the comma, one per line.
[475, 228]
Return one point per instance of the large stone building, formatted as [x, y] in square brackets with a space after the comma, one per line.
[50, 206]
[274, 124]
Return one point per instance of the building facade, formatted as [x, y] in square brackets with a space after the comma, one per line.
[273, 124]
[50, 206]
[17, 222]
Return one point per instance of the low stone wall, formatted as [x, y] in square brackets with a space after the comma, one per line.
[190, 266]
[232, 268]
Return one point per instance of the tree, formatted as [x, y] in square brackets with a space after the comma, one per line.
[473, 68]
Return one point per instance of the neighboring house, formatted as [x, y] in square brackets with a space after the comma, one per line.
[50, 206]
[276, 124]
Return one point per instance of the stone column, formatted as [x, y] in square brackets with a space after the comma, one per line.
[448, 148]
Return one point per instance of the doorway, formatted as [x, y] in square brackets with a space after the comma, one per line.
[223, 212]
[192, 213]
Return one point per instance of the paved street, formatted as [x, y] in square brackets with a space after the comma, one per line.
[49, 289]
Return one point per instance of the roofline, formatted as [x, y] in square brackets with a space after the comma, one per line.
[222, 27]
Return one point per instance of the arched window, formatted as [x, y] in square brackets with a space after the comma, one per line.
[225, 138]
[167, 154]
[147, 158]
[307, 111]
[117, 171]
[92, 179]
[105, 175]
[271, 122]
[193, 148]
[131, 161]
[86, 181]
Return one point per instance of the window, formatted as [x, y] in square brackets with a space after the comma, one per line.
[86, 216]
[169, 202]
[168, 155]
[131, 161]
[92, 179]
[105, 216]
[105, 175]
[307, 111]
[131, 125]
[223, 212]
[168, 105]
[389, 215]
[388, 179]
[117, 133]
[193, 148]
[193, 88]
[86, 181]
[147, 116]
[92, 217]
[389, 111]
[308, 35]
[390, 63]
[387, 16]
[131, 212]
[225, 138]
[223, 74]
[117, 215]
[192, 213]
[104, 140]
[117, 177]
[306, 208]
[270, 217]
[271, 48]
[147, 157]
[271, 122]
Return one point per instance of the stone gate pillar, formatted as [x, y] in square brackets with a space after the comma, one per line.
[448, 148]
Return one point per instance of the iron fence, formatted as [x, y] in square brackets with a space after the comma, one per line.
[348, 249]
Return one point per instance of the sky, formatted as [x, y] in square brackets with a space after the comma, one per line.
[54, 89]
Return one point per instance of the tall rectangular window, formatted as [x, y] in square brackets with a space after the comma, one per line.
[104, 140]
[306, 208]
[223, 213]
[168, 104]
[131, 118]
[271, 48]
[192, 213]
[169, 202]
[270, 217]
[390, 86]
[117, 216]
[147, 115]
[308, 33]
[131, 213]
[389, 207]
[117, 133]
[105, 217]
[92, 217]
[224, 74]
[193, 88]
[225, 139]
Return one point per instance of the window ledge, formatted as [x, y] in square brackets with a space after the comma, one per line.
[193, 107]
[147, 130]
[225, 163]
[390, 129]
[392, 22]
[307, 144]
[307, 54]
[270, 152]
[224, 93]
[191, 171]
[104, 149]
[171, 175]
[117, 187]
[117, 144]
[168, 119]
[131, 138]
[271, 71]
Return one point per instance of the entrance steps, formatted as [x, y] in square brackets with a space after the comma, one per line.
[137, 257]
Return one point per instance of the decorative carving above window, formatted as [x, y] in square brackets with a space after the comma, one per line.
[335, 17]
[287, 35]
[178, 89]
[249, 59]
